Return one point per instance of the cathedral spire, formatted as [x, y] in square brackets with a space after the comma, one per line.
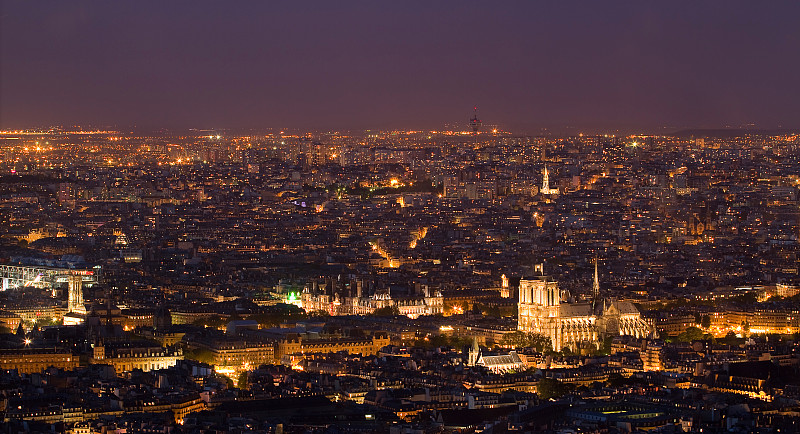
[596, 283]
[546, 180]
[546, 190]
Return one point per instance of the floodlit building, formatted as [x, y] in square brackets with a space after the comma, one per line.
[32, 360]
[543, 309]
[336, 301]
[496, 363]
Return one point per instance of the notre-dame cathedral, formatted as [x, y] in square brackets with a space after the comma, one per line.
[543, 309]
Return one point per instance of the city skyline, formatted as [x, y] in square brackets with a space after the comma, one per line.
[564, 68]
[374, 217]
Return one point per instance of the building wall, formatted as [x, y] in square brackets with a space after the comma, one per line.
[369, 346]
[129, 359]
[247, 356]
[27, 361]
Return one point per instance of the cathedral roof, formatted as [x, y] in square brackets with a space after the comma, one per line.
[502, 359]
[622, 307]
[548, 279]
[625, 307]
[567, 310]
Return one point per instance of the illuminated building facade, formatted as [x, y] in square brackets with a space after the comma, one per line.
[363, 346]
[239, 353]
[340, 303]
[128, 358]
[760, 320]
[9, 320]
[505, 291]
[37, 312]
[651, 351]
[542, 310]
[32, 360]
[75, 301]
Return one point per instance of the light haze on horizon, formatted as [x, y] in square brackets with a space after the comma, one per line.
[566, 66]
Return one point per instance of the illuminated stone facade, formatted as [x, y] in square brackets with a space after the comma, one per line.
[542, 310]
[341, 304]
[759, 320]
[9, 320]
[363, 346]
[32, 360]
[240, 353]
[128, 358]
[34, 313]
[75, 303]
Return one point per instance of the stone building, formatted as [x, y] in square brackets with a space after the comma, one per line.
[544, 309]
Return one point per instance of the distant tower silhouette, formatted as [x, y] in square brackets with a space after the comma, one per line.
[475, 123]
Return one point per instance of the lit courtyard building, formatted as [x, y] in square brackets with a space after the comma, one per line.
[543, 309]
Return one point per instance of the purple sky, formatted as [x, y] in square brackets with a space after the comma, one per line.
[405, 64]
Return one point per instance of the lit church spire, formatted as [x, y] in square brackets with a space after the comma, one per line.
[596, 283]
[546, 190]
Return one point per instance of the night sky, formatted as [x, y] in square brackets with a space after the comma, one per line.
[527, 65]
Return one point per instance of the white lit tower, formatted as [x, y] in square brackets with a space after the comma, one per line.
[75, 302]
[546, 190]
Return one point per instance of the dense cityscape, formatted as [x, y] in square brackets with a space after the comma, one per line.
[460, 216]
[470, 280]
